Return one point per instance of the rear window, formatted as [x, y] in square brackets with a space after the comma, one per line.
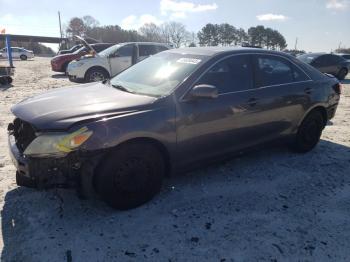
[273, 70]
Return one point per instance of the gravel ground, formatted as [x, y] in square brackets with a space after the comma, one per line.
[268, 205]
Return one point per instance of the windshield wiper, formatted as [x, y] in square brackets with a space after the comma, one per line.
[120, 87]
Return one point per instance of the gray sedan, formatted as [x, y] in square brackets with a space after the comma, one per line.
[170, 112]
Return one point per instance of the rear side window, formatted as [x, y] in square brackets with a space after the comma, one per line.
[230, 75]
[322, 61]
[334, 59]
[272, 70]
[147, 50]
[161, 48]
[346, 56]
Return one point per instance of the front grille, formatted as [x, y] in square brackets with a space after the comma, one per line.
[24, 134]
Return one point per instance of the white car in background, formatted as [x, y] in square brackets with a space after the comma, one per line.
[17, 52]
[108, 63]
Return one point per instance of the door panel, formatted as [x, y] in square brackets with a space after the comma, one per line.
[121, 60]
[282, 89]
[209, 127]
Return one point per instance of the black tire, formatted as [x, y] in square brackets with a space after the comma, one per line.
[309, 132]
[3, 81]
[64, 67]
[130, 176]
[23, 57]
[342, 74]
[96, 75]
[9, 79]
[6, 80]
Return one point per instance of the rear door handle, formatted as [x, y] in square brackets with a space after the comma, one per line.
[308, 90]
[252, 102]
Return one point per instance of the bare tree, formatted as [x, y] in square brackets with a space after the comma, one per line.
[177, 33]
[90, 22]
[152, 32]
[76, 26]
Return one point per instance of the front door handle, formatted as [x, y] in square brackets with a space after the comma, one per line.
[252, 102]
[308, 90]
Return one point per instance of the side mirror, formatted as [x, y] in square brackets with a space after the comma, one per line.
[203, 91]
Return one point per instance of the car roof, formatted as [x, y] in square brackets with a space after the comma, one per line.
[213, 51]
[102, 44]
[143, 43]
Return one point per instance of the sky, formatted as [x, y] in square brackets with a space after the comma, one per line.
[319, 25]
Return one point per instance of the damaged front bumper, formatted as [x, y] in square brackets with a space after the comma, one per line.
[46, 172]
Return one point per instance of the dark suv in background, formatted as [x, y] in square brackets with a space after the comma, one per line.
[328, 63]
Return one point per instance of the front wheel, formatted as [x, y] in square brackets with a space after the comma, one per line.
[309, 132]
[96, 75]
[23, 57]
[130, 176]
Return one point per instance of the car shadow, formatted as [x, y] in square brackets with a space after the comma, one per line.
[59, 76]
[5, 87]
[269, 203]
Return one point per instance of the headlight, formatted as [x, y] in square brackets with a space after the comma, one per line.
[57, 144]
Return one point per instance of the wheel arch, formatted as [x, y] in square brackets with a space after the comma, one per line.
[157, 144]
[321, 108]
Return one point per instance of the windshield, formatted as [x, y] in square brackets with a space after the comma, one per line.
[158, 75]
[109, 50]
[81, 49]
[308, 58]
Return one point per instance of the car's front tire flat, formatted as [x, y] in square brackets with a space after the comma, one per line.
[309, 132]
[130, 176]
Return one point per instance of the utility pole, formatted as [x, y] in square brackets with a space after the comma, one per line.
[59, 21]
[296, 44]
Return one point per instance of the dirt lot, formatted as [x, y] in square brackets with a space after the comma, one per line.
[269, 205]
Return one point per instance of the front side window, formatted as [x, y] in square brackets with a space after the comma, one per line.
[230, 75]
[125, 51]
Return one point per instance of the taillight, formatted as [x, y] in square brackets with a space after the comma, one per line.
[337, 88]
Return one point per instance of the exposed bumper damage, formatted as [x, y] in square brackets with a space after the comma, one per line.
[45, 172]
[72, 171]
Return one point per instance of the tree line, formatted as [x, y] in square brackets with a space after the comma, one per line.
[176, 34]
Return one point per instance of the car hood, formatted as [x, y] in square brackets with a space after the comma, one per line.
[61, 108]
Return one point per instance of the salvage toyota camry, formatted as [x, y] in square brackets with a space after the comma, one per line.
[119, 138]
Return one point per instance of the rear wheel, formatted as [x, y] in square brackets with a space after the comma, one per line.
[5, 80]
[96, 75]
[309, 132]
[342, 74]
[130, 176]
[23, 57]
